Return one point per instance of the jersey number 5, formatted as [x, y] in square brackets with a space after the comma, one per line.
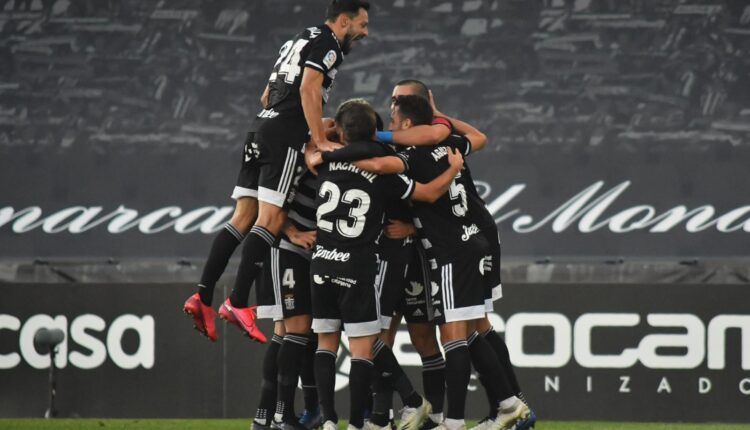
[458, 192]
[348, 228]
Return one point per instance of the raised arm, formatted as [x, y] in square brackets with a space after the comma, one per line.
[433, 190]
[420, 135]
[477, 139]
[389, 165]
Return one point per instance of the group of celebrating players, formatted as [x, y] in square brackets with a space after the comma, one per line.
[346, 226]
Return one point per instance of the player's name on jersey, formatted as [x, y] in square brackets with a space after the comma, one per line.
[331, 254]
[439, 152]
[348, 167]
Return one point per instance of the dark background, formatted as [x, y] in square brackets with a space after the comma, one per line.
[227, 373]
[144, 105]
[109, 103]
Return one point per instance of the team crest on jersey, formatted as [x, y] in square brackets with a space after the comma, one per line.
[330, 59]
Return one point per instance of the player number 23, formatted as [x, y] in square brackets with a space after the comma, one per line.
[359, 200]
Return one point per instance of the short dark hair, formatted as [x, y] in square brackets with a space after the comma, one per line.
[357, 119]
[420, 86]
[349, 7]
[415, 108]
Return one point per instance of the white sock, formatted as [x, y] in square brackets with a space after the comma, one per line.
[452, 424]
[436, 418]
[509, 403]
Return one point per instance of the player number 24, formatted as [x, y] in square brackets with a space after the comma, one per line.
[289, 59]
[356, 223]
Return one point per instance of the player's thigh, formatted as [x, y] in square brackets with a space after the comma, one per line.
[293, 276]
[325, 304]
[462, 288]
[281, 148]
[359, 305]
[246, 185]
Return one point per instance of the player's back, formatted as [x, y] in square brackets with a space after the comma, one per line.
[446, 226]
[350, 207]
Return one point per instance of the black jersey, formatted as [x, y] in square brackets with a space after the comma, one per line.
[447, 227]
[350, 208]
[314, 47]
[301, 211]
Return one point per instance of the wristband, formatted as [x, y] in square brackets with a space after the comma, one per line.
[385, 136]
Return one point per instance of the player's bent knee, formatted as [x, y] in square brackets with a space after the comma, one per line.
[298, 324]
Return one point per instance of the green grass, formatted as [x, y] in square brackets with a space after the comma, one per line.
[148, 424]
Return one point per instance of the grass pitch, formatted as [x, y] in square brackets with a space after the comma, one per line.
[107, 424]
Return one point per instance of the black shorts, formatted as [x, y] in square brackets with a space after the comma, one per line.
[272, 160]
[461, 286]
[392, 282]
[415, 300]
[352, 301]
[284, 290]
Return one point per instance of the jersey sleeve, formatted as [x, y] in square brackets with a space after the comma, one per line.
[399, 186]
[324, 55]
[460, 143]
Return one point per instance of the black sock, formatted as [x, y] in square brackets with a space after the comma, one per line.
[382, 388]
[257, 244]
[501, 350]
[267, 403]
[307, 375]
[360, 377]
[433, 381]
[457, 376]
[325, 378]
[224, 245]
[290, 358]
[385, 362]
[488, 365]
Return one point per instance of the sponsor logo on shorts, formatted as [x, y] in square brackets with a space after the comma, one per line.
[344, 282]
[416, 289]
[331, 255]
[469, 231]
[289, 302]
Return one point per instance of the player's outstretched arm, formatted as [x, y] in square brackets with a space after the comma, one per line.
[477, 139]
[389, 165]
[420, 135]
[433, 190]
[312, 105]
[304, 239]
